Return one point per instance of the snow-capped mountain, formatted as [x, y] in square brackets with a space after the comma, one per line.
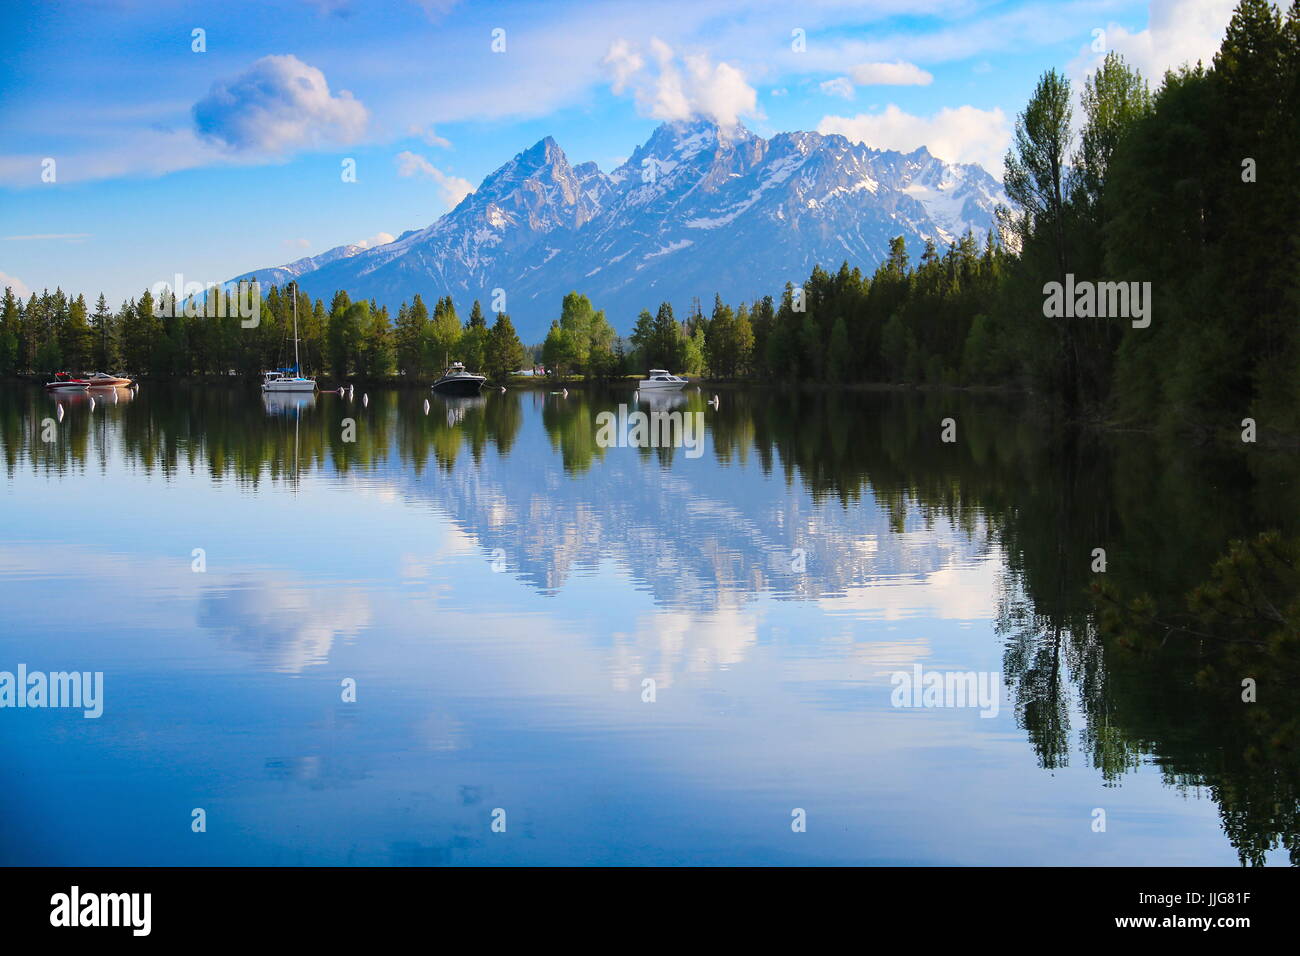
[279, 275]
[696, 210]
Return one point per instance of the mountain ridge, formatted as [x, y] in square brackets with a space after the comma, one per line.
[695, 210]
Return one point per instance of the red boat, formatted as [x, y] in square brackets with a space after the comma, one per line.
[63, 382]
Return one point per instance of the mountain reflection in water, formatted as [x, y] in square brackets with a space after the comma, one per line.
[501, 587]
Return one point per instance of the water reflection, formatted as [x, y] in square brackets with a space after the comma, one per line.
[290, 403]
[824, 541]
[285, 627]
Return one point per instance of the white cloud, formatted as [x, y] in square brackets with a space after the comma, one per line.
[453, 188]
[378, 239]
[897, 73]
[840, 86]
[962, 135]
[13, 282]
[430, 136]
[622, 63]
[1178, 32]
[137, 152]
[278, 104]
[297, 243]
[961, 592]
[668, 89]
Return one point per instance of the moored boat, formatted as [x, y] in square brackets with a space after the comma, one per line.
[289, 379]
[103, 380]
[457, 381]
[63, 382]
[661, 378]
[285, 380]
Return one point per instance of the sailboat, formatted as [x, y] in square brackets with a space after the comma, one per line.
[289, 379]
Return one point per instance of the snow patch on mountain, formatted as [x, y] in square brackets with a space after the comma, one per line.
[759, 212]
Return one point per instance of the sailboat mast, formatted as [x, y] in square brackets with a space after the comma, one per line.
[297, 369]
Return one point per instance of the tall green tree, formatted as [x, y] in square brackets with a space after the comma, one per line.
[561, 353]
[1035, 177]
[444, 335]
[412, 336]
[10, 323]
[473, 341]
[504, 352]
[1035, 181]
[375, 352]
[345, 333]
[586, 331]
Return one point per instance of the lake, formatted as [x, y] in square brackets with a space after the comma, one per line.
[472, 635]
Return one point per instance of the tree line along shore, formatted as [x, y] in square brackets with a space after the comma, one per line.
[1189, 191]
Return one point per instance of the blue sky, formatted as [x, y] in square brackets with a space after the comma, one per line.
[167, 159]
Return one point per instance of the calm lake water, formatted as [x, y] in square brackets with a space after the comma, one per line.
[500, 588]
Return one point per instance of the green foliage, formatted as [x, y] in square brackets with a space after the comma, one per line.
[659, 341]
[375, 355]
[443, 340]
[560, 352]
[504, 352]
[1036, 163]
[10, 330]
[728, 341]
[587, 339]
[411, 338]
[1155, 190]
[49, 357]
[345, 332]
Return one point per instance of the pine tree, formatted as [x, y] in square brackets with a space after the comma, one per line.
[10, 324]
[412, 338]
[443, 339]
[504, 352]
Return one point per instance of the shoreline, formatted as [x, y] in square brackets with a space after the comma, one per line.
[1035, 407]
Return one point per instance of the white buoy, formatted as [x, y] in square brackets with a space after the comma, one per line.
[92, 403]
[716, 402]
[60, 404]
[426, 406]
[565, 393]
[503, 389]
[365, 399]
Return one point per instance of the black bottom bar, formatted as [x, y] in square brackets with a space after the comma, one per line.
[334, 905]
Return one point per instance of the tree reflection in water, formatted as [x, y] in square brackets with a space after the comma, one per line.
[1148, 658]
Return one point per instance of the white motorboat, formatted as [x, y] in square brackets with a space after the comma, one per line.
[661, 378]
[103, 380]
[457, 381]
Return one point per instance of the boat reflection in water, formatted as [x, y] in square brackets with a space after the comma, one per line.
[92, 398]
[283, 403]
[458, 406]
[664, 399]
[501, 585]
